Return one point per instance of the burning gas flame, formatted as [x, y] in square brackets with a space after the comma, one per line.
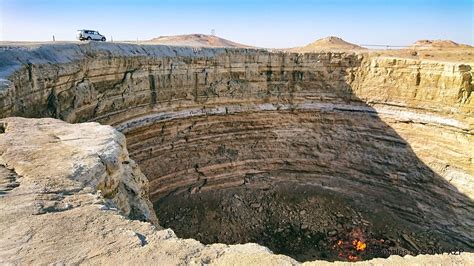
[359, 245]
[353, 248]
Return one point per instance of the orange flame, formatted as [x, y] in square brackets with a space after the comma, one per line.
[351, 249]
[360, 246]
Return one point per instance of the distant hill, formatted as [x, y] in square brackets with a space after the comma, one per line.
[330, 43]
[197, 40]
[430, 44]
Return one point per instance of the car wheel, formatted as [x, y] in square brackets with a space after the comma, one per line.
[103, 39]
[89, 38]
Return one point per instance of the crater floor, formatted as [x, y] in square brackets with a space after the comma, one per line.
[303, 222]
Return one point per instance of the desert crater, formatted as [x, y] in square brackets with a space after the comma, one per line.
[243, 155]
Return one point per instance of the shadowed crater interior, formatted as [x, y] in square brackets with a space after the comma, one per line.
[311, 183]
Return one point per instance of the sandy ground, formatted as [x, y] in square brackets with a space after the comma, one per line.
[436, 54]
[462, 53]
[192, 40]
[437, 50]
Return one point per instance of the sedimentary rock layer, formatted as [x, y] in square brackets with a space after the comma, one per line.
[129, 86]
[370, 128]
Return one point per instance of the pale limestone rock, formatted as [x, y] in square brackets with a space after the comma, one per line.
[53, 157]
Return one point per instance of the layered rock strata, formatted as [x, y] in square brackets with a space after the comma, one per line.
[372, 129]
[126, 85]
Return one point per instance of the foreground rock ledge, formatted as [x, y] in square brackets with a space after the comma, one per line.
[67, 191]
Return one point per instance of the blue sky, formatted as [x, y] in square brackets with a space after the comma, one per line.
[269, 23]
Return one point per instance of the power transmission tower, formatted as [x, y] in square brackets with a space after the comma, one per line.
[213, 32]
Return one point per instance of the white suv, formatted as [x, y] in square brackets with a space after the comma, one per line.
[90, 35]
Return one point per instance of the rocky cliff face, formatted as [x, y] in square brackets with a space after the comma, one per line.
[55, 161]
[131, 86]
[431, 106]
[371, 129]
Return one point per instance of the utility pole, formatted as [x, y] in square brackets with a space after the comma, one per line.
[54, 39]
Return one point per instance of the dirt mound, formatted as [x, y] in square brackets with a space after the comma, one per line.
[330, 43]
[430, 44]
[197, 40]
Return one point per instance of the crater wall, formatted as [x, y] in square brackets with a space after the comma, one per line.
[135, 88]
[397, 132]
